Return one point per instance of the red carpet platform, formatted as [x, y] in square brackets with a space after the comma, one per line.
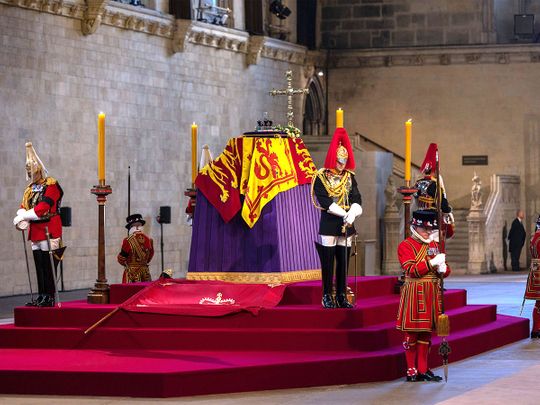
[295, 344]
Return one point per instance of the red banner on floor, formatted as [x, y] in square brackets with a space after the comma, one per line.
[204, 298]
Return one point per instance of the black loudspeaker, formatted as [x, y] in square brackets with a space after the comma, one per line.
[164, 215]
[524, 25]
[65, 216]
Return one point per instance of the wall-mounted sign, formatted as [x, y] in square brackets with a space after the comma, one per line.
[474, 160]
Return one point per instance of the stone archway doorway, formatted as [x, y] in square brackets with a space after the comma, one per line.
[314, 122]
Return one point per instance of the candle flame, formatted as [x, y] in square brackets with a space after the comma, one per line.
[409, 120]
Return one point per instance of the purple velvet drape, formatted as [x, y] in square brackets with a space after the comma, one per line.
[282, 240]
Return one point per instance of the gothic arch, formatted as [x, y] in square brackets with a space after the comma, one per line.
[314, 122]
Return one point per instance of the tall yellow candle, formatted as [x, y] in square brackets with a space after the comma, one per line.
[408, 136]
[339, 118]
[101, 148]
[194, 170]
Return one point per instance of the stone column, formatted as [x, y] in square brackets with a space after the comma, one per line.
[477, 230]
[477, 243]
[392, 231]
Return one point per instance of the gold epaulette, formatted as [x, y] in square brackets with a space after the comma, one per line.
[50, 181]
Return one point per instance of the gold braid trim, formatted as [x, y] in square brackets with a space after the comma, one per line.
[137, 246]
[339, 191]
[257, 278]
[29, 194]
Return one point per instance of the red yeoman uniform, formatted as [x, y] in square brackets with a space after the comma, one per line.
[137, 251]
[532, 290]
[421, 302]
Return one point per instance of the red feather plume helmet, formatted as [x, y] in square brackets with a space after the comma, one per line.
[340, 149]
[428, 166]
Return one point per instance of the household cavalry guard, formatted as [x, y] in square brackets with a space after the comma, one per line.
[335, 192]
[532, 290]
[426, 196]
[39, 211]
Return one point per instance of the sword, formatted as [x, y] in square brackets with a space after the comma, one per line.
[51, 258]
[528, 277]
[27, 267]
[443, 322]
[355, 269]
[344, 232]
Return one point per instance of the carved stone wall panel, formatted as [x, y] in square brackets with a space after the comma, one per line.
[492, 54]
[94, 13]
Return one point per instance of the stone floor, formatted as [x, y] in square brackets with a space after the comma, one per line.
[507, 375]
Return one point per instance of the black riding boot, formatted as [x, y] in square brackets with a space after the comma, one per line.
[342, 262]
[326, 255]
[38, 262]
[48, 280]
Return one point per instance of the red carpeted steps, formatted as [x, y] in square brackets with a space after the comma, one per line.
[295, 344]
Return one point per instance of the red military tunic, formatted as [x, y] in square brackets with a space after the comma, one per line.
[532, 291]
[44, 197]
[137, 251]
[420, 302]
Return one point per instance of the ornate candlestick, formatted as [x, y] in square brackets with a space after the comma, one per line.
[407, 192]
[191, 193]
[100, 293]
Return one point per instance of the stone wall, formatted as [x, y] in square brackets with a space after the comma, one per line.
[469, 100]
[353, 24]
[53, 83]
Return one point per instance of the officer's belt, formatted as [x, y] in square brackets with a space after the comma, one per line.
[46, 218]
[428, 278]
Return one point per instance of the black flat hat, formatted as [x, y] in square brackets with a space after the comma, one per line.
[133, 219]
[425, 219]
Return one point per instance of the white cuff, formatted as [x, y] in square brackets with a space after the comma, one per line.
[29, 215]
[336, 210]
[356, 209]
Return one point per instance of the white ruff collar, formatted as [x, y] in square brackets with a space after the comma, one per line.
[417, 236]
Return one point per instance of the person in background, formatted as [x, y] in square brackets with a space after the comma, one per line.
[516, 239]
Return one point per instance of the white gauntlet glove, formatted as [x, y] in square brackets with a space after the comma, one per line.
[23, 215]
[442, 268]
[354, 211]
[438, 260]
[336, 210]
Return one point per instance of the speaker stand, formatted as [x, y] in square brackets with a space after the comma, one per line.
[161, 245]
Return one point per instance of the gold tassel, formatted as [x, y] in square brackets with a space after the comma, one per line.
[443, 325]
